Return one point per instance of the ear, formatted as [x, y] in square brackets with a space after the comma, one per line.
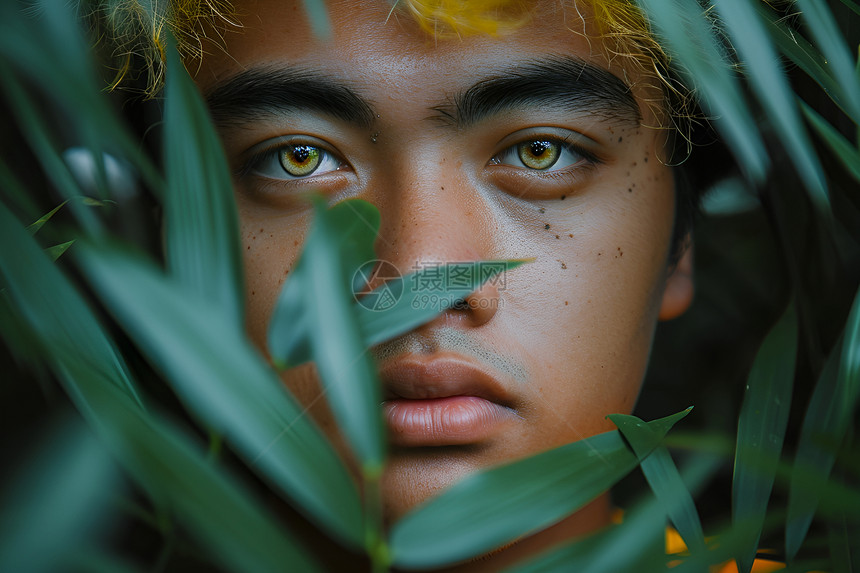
[678, 292]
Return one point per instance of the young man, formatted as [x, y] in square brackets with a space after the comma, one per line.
[531, 143]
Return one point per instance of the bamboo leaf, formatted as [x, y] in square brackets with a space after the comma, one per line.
[61, 56]
[487, 509]
[217, 510]
[683, 27]
[324, 327]
[57, 251]
[181, 479]
[58, 503]
[57, 315]
[431, 289]
[222, 379]
[768, 80]
[663, 477]
[34, 228]
[761, 429]
[833, 47]
[803, 54]
[202, 227]
[852, 5]
[641, 536]
[846, 152]
[318, 16]
[821, 425]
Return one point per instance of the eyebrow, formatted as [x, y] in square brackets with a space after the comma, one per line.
[261, 92]
[567, 82]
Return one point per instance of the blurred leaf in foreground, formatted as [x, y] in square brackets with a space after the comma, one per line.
[761, 429]
[490, 508]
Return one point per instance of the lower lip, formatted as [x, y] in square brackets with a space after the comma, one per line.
[452, 421]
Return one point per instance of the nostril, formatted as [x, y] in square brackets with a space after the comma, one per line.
[460, 304]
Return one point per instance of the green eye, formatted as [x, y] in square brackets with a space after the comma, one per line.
[300, 160]
[539, 154]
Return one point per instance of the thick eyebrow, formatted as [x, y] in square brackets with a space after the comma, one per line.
[258, 93]
[566, 82]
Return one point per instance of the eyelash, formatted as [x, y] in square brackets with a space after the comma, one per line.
[271, 153]
[586, 157]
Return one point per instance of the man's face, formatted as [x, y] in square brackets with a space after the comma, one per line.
[526, 145]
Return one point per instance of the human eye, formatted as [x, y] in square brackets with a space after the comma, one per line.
[293, 160]
[545, 154]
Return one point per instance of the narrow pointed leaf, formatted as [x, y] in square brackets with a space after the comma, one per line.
[803, 54]
[223, 380]
[346, 368]
[820, 426]
[358, 223]
[220, 513]
[833, 47]
[853, 5]
[34, 228]
[641, 535]
[761, 429]
[663, 477]
[180, 478]
[45, 300]
[847, 153]
[202, 227]
[682, 25]
[426, 293]
[57, 251]
[58, 503]
[765, 73]
[490, 508]
[62, 56]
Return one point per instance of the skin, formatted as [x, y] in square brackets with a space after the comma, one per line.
[568, 335]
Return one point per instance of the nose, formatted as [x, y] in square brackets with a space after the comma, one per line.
[432, 221]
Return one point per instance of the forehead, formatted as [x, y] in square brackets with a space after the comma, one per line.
[385, 53]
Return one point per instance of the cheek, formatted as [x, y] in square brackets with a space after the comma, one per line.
[270, 247]
[586, 309]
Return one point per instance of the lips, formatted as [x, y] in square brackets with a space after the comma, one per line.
[443, 400]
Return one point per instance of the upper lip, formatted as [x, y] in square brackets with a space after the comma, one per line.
[440, 375]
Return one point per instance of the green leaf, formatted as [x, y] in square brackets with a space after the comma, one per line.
[765, 73]
[663, 477]
[641, 535]
[216, 509]
[202, 227]
[51, 307]
[358, 224]
[58, 503]
[761, 429]
[637, 544]
[852, 5]
[432, 289]
[803, 54]
[44, 146]
[825, 31]
[34, 228]
[843, 149]
[222, 379]
[822, 424]
[61, 56]
[57, 251]
[329, 322]
[318, 16]
[684, 30]
[490, 508]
